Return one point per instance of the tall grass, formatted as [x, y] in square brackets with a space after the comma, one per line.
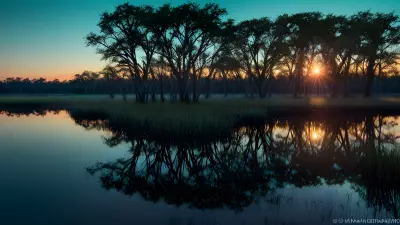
[167, 119]
[214, 113]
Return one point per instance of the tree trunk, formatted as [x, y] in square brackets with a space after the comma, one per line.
[162, 88]
[260, 87]
[124, 97]
[379, 78]
[346, 77]
[306, 86]
[237, 85]
[140, 92]
[194, 94]
[110, 91]
[173, 89]
[370, 76]
[335, 82]
[152, 89]
[267, 86]
[94, 87]
[250, 88]
[141, 95]
[246, 87]
[225, 84]
[299, 72]
[183, 93]
[208, 88]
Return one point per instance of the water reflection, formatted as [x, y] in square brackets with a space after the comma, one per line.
[257, 160]
[18, 112]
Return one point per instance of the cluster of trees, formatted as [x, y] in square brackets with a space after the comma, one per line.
[88, 82]
[189, 50]
[189, 45]
[84, 83]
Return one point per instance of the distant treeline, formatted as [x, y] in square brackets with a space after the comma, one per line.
[193, 49]
[245, 86]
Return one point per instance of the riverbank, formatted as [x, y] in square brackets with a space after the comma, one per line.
[213, 110]
[215, 118]
[234, 100]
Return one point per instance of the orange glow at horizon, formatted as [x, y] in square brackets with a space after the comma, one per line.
[28, 66]
[48, 73]
[3, 76]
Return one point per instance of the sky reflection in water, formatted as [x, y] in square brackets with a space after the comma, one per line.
[312, 170]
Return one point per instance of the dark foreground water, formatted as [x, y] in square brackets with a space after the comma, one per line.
[66, 168]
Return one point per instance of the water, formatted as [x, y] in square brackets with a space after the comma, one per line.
[68, 168]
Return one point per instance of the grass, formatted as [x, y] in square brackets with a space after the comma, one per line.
[153, 119]
[219, 104]
[218, 112]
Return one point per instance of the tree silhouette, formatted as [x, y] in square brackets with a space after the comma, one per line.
[255, 160]
[110, 75]
[259, 47]
[123, 33]
[190, 34]
[380, 32]
[203, 51]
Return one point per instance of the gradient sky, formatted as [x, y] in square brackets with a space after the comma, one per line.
[46, 37]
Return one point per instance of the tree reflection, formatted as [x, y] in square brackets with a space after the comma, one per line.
[205, 176]
[256, 160]
[253, 160]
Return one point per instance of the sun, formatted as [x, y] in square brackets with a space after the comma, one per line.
[315, 136]
[316, 71]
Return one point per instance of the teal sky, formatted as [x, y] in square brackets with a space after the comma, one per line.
[46, 37]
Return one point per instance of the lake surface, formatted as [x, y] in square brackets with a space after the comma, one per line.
[66, 168]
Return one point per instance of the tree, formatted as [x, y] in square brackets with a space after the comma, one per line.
[110, 74]
[41, 80]
[160, 72]
[302, 31]
[350, 43]
[229, 67]
[126, 38]
[90, 77]
[338, 38]
[87, 77]
[380, 34]
[188, 32]
[259, 46]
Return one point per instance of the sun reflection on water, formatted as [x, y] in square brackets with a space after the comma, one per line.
[315, 135]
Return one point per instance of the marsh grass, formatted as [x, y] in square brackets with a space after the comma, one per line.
[211, 116]
[385, 166]
[194, 128]
[156, 120]
[171, 112]
[378, 182]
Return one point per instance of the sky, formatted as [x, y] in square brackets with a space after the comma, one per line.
[46, 38]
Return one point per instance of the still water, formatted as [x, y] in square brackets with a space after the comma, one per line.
[65, 168]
